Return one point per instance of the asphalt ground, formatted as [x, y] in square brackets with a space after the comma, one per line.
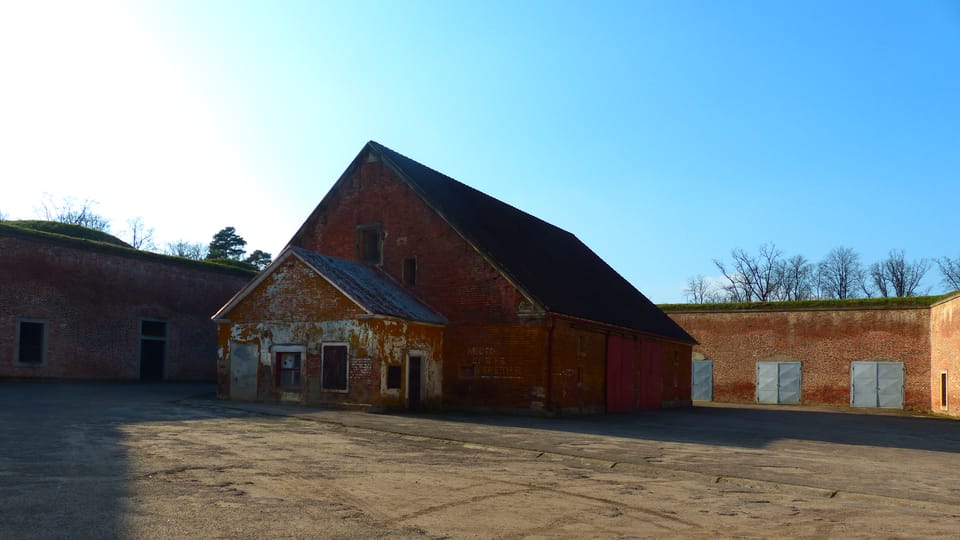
[96, 460]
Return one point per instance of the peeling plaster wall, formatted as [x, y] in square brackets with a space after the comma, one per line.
[93, 299]
[826, 341]
[945, 355]
[372, 344]
[296, 306]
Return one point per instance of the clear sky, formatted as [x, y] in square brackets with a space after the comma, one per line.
[662, 133]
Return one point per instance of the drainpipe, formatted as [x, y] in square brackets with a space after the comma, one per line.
[549, 390]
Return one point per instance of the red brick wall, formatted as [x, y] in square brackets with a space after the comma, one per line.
[93, 297]
[580, 364]
[495, 366]
[826, 341]
[452, 277]
[579, 368]
[676, 374]
[945, 355]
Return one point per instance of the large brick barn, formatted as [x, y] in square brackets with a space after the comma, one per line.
[75, 308]
[502, 310]
[879, 353]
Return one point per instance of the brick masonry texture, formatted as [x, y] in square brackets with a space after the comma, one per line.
[493, 358]
[826, 341]
[945, 356]
[93, 298]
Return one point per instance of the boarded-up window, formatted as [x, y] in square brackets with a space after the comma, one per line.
[368, 244]
[333, 372]
[410, 272]
[31, 342]
[394, 376]
[943, 390]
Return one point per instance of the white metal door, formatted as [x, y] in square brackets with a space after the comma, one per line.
[702, 387]
[876, 384]
[778, 382]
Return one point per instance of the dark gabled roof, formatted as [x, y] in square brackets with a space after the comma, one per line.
[368, 287]
[549, 264]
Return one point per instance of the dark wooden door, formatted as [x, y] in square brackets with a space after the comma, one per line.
[152, 352]
[413, 382]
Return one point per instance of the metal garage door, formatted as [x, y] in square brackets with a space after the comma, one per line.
[778, 382]
[876, 384]
[702, 384]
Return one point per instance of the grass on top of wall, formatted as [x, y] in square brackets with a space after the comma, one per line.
[907, 301]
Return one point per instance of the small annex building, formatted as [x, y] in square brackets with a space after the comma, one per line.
[513, 313]
[79, 304]
[898, 353]
[310, 326]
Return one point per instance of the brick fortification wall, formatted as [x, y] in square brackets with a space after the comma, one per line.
[826, 341]
[945, 356]
[92, 298]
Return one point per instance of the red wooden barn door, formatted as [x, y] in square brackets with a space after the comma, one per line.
[651, 374]
[621, 373]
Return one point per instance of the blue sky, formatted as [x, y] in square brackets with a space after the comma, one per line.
[663, 134]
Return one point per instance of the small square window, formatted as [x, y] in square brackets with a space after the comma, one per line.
[289, 365]
[410, 272]
[31, 342]
[394, 376]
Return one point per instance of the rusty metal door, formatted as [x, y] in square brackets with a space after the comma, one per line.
[243, 370]
[621, 373]
[702, 380]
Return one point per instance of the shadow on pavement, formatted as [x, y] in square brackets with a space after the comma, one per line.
[748, 427]
[64, 470]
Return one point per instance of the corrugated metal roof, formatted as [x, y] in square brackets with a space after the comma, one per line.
[370, 287]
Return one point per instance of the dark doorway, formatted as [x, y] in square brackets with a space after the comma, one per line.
[153, 349]
[413, 382]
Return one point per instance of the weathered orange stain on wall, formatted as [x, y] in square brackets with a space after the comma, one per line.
[294, 306]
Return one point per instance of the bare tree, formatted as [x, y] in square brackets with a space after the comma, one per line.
[141, 236]
[840, 273]
[182, 248]
[950, 272]
[697, 289]
[879, 279]
[897, 276]
[797, 282]
[3, 216]
[70, 211]
[753, 277]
